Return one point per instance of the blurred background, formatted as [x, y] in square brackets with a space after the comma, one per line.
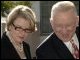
[42, 10]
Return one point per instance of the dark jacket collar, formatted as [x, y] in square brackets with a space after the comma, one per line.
[6, 42]
[61, 48]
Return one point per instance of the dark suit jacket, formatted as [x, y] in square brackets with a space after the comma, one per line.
[9, 52]
[53, 48]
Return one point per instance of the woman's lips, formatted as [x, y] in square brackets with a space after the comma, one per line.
[21, 37]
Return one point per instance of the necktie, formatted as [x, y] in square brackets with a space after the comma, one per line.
[75, 52]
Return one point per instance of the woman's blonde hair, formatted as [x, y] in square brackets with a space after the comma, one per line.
[25, 12]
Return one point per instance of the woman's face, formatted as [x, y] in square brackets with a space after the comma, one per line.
[20, 29]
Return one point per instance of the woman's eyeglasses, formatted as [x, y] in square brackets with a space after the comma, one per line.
[21, 29]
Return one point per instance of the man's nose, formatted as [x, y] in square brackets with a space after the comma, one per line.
[64, 30]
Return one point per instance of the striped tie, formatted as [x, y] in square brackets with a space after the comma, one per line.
[75, 52]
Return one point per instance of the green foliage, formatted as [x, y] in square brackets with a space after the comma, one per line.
[23, 3]
[7, 5]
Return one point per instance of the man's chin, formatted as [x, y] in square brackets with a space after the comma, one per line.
[65, 39]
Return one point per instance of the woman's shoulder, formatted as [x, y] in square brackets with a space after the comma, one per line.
[26, 44]
[4, 37]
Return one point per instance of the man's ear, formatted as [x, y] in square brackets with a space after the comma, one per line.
[77, 21]
[51, 22]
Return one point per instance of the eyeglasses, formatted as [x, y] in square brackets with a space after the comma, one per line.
[27, 30]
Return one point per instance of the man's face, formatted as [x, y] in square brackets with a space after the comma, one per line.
[64, 25]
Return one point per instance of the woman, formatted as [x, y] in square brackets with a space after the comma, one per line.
[20, 22]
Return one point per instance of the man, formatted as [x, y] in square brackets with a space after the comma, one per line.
[64, 21]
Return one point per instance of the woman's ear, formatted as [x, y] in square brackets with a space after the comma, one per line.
[10, 27]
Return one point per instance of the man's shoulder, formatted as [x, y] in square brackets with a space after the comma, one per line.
[46, 42]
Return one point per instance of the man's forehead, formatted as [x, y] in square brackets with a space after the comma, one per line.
[65, 15]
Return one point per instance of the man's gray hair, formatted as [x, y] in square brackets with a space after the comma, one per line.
[62, 6]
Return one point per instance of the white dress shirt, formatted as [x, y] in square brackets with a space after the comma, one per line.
[69, 45]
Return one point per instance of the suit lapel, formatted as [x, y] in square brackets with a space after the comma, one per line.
[77, 33]
[26, 50]
[61, 48]
[10, 48]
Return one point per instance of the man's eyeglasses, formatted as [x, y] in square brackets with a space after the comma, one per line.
[21, 29]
